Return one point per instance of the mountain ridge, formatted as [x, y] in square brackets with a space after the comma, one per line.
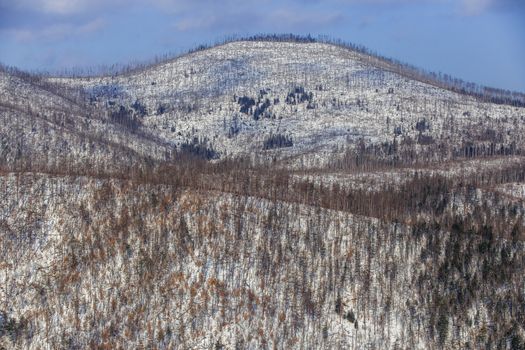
[439, 79]
[252, 86]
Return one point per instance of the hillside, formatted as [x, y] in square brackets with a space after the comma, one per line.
[323, 98]
[260, 194]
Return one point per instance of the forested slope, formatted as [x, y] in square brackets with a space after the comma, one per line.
[269, 193]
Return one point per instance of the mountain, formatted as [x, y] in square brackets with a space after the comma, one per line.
[273, 192]
[323, 97]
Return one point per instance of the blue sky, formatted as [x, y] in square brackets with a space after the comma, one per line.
[477, 40]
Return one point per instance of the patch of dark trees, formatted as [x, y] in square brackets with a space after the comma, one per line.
[401, 152]
[11, 327]
[422, 125]
[277, 141]
[105, 92]
[162, 108]
[199, 148]
[233, 127]
[139, 108]
[300, 95]
[246, 103]
[256, 108]
[477, 264]
[126, 117]
[473, 150]
[425, 140]
[261, 108]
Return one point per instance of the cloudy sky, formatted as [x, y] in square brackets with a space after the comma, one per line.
[476, 40]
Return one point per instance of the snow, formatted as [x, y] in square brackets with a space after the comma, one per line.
[199, 89]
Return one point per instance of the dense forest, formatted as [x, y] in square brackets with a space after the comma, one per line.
[213, 202]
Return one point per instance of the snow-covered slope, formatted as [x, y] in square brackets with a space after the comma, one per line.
[109, 264]
[322, 97]
[50, 125]
[354, 235]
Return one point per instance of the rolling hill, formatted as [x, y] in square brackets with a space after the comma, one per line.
[273, 192]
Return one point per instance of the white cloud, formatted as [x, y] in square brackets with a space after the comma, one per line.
[214, 7]
[64, 7]
[71, 7]
[55, 31]
[92, 26]
[186, 24]
[286, 19]
[298, 18]
[476, 7]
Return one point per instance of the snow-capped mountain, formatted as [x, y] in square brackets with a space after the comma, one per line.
[321, 98]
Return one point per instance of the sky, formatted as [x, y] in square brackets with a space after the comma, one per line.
[481, 41]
